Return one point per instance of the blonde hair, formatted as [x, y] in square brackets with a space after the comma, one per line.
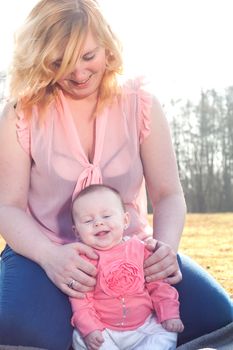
[56, 30]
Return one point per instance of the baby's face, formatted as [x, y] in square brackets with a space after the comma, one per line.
[100, 219]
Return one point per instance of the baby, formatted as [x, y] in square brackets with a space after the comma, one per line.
[123, 311]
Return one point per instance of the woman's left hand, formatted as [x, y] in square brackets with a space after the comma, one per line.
[162, 264]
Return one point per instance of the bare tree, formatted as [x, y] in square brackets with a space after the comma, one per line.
[203, 139]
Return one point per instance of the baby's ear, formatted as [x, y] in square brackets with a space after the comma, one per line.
[74, 229]
[126, 220]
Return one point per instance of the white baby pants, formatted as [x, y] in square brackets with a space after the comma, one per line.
[150, 335]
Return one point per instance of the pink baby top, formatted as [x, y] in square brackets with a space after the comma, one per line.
[121, 299]
[60, 167]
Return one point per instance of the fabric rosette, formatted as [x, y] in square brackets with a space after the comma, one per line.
[121, 278]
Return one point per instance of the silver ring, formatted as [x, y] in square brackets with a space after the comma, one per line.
[71, 284]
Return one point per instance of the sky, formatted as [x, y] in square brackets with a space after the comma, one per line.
[181, 46]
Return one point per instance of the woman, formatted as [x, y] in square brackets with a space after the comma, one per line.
[71, 124]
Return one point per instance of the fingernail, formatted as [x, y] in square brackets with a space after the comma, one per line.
[148, 278]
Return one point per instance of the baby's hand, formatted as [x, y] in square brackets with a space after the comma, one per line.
[94, 340]
[173, 325]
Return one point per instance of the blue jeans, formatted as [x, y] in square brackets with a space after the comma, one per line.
[33, 312]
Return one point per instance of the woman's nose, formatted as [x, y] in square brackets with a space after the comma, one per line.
[80, 73]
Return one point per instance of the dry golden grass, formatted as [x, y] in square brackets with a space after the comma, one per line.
[208, 239]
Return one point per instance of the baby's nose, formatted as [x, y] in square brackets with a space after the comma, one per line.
[98, 222]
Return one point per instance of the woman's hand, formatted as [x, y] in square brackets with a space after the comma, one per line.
[68, 271]
[162, 264]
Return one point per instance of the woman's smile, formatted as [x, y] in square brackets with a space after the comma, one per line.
[81, 84]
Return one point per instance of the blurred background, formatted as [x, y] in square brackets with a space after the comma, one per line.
[184, 49]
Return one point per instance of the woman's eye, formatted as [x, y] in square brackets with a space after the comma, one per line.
[88, 57]
[57, 64]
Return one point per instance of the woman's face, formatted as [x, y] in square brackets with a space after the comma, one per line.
[85, 79]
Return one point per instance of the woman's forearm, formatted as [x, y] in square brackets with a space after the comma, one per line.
[22, 233]
[168, 219]
[62, 263]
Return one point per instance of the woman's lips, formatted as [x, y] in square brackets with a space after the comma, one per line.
[81, 84]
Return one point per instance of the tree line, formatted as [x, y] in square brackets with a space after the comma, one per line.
[202, 134]
[203, 139]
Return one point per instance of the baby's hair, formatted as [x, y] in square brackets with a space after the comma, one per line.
[96, 188]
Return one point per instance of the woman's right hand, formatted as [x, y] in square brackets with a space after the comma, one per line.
[63, 265]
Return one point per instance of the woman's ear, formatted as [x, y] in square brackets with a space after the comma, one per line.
[126, 220]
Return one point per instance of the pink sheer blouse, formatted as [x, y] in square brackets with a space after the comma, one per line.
[60, 167]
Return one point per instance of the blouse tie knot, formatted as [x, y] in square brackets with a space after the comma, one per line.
[90, 175]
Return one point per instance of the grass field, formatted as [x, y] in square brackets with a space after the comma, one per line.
[208, 239]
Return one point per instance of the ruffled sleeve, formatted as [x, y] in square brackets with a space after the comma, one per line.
[141, 106]
[144, 110]
[22, 131]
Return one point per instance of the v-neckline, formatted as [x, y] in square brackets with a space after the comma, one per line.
[73, 134]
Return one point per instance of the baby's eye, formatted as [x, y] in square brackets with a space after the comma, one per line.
[87, 221]
[106, 216]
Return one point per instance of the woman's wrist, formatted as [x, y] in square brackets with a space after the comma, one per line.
[44, 251]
